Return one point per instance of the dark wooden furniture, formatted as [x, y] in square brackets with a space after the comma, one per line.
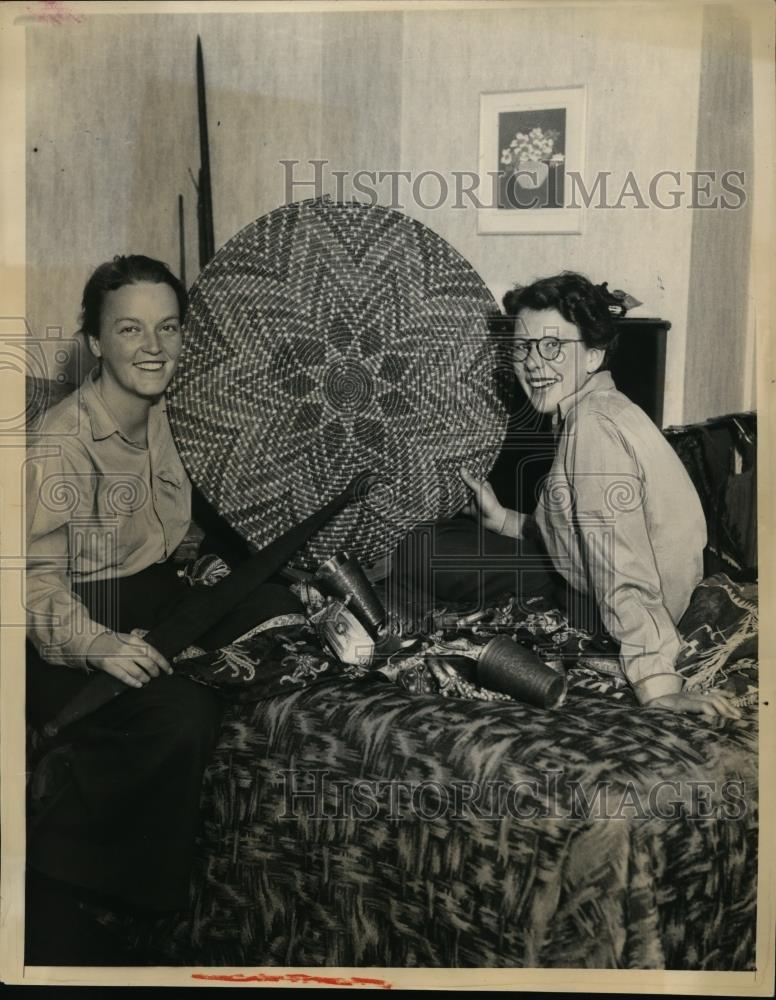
[639, 363]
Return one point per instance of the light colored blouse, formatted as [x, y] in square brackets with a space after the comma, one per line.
[98, 506]
[621, 520]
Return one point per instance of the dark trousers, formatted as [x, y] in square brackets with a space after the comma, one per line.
[455, 563]
[124, 822]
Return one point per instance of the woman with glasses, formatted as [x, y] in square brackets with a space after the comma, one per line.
[618, 514]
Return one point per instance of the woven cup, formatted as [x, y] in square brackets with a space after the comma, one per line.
[343, 577]
[504, 665]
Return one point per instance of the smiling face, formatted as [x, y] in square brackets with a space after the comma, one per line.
[547, 383]
[140, 340]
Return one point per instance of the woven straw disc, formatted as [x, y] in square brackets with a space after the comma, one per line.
[326, 340]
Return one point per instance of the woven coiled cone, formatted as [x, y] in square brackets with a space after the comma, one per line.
[324, 340]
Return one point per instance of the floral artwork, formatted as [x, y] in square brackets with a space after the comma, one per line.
[531, 146]
[536, 145]
[528, 143]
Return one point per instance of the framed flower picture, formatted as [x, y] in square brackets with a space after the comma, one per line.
[532, 148]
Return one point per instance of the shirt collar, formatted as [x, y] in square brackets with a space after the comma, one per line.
[597, 382]
[102, 420]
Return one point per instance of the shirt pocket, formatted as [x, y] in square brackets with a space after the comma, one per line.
[169, 485]
[172, 500]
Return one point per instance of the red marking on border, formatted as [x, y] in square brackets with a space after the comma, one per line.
[54, 12]
[293, 977]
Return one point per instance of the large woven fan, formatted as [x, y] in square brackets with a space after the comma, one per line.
[325, 340]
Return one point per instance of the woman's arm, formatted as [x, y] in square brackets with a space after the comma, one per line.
[60, 487]
[485, 504]
[610, 518]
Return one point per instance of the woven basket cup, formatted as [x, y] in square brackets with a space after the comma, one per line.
[505, 665]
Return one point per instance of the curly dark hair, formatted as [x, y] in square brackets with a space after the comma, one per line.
[125, 270]
[576, 298]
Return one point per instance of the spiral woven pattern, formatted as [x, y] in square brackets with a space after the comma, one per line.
[327, 340]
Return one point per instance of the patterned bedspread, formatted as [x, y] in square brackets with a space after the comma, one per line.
[403, 818]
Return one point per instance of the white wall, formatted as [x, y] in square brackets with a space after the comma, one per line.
[642, 77]
[718, 327]
[112, 133]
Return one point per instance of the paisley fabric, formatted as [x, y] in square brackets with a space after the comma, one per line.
[720, 630]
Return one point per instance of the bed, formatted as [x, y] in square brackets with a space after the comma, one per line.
[660, 872]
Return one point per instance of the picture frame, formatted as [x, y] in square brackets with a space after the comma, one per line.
[532, 147]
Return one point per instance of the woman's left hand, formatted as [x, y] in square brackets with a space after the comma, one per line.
[713, 703]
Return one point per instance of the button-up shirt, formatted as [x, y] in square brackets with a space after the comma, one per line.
[99, 506]
[621, 520]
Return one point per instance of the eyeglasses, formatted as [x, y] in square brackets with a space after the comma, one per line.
[548, 347]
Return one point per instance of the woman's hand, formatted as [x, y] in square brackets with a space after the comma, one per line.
[128, 657]
[485, 503]
[713, 703]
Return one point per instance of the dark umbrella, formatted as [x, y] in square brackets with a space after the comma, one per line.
[203, 609]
